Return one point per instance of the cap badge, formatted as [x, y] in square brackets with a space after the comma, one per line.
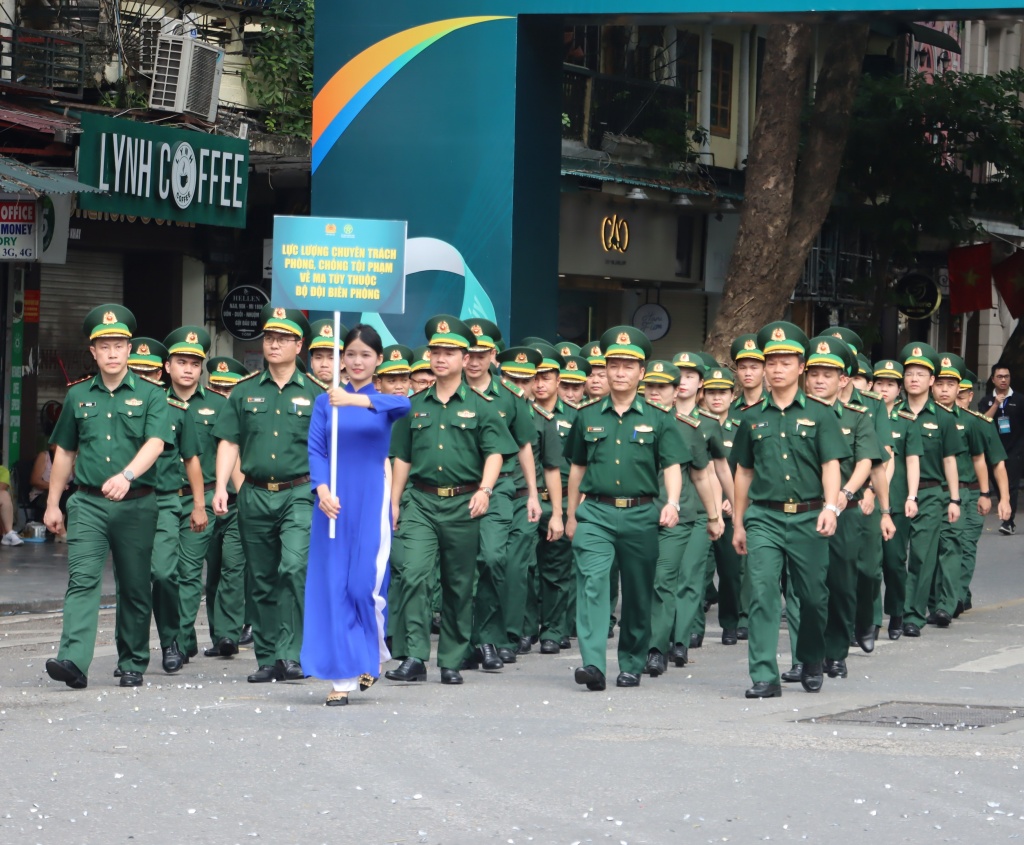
[477, 330]
[442, 327]
[837, 334]
[749, 344]
[622, 338]
[572, 365]
[778, 334]
[326, 330]
[566, 351]
[823, 349]
[396, 354]
[595, 350]
[716, 374]
[192, 337]
[659, 367]
[222, 367]
[426, 355]
[143, 348]
[684, 357]
[946, 362]
[280, 314]
[109, 317]
[521, 358]
[916, 352]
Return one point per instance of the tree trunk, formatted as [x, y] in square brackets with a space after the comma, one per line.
[787, 194]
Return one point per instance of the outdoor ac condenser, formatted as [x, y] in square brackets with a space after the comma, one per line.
[186, 77]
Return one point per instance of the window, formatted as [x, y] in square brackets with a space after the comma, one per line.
[721, 88]
[688, 67]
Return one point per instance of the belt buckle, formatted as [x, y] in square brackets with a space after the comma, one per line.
[622, 503]
[445, 492]
[789, 507]
[545, 496]
[273, 487]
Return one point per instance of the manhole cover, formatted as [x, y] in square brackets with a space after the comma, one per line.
[906, 714]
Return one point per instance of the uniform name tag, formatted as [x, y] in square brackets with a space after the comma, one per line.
[959, 427]
[805, 422]
[133, 402]
[300, 400]
[86, 404]
[728, 444]
[896, 434]
[563, 424]
[206, 412]
[420, 414]
[595, 429]
[930, 426]
[846, 431]
[467, 414]
[502, 413]
[755, 426]
[643, 429]
[255, 399]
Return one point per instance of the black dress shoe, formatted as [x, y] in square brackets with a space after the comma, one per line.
[958, 611]
[656, 663]
[265, 675]
[212, 651]
[742, 633]
[565, 643]
[192, 652]
[968, 605]
[679, 655]
[227, 647]
[793, 675]
[525, 646]
[488, 659]
[895, 627]
[911, 630]
[408, 670]
[450, 676]
[696, 640]
[435, 624]
[66, 671]
[173, 660]
[246, 638]
[611, 631]
[931, 620]
[866, 640]
[117, 672]
[131, 679]
[942, 619]
[627, 679]
[549, 647]
[290, 670]
[812, 678]
[729, 636]
[506, 655]
[836, 668]
[763, 689]
[591, 676]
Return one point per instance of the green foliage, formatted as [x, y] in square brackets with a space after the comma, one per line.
[680, 136]
[281, 76]
[925, 156]
[123, 95]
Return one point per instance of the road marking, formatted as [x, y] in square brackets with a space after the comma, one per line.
[1003, 659]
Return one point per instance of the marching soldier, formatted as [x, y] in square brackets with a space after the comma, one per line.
[787, 450]
[597, 381]
[265, 425]
[616, 447]
[112, 429]
[573, 377]
[749, 372]
[450, 449]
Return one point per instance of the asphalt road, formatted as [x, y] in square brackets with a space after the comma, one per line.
[524, 755]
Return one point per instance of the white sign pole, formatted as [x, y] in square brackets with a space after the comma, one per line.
[334, 418]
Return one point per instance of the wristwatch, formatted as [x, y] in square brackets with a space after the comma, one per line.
[833, 508]
[911, 498]
[956, 502]
[487, 490]
[886, 511]
[129, 475]
[987, 494]
[714, 518]
[849, 496]
[676, 505]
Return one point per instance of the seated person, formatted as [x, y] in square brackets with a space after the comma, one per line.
[39, 483]
[10, 536]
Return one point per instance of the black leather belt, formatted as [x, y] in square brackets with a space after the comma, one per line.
[793, 507]
[620, 501]
[187, 491]
[277, 486]
[970, 485]
[134, 493]
[504, 475]
[924, 485]
[446, 492]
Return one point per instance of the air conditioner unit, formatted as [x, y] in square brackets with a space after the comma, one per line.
[186, 77]
[150, 32]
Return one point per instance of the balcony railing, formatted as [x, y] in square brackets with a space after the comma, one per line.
[41, 62]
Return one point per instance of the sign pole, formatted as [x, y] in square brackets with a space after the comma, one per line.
[334, 418]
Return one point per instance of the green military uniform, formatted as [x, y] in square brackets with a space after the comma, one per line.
[106, 429]
[894, 552]
[679, 569]
[228, 590]
[786, 448]
[621, 456]
[270, 425]
[446, 445]
[932, 437]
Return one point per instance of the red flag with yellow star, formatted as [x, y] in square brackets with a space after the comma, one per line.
[1009, 279]
[970, 278]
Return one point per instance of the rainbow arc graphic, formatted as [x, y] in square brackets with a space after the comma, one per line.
[339, 102]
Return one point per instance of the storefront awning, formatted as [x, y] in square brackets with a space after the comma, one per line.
[18, 178]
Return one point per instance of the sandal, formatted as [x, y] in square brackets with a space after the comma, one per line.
[366, 681]
[336, 699]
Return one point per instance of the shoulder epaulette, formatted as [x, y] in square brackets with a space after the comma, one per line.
[872, 395]
[250, 376]
[708, 414]
[859, 409]
[587, 404]
[658, 405]
[175, 402]
[818, 399]
[482, 395]
[693, 422]
[323, 385]
[79, 381]
[748, 407]
[980, 416]
[152, 381]
[907, 415]
[514, 389]
[548, 415]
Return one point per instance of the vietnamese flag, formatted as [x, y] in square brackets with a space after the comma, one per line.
[970, 278]
[1009, 279]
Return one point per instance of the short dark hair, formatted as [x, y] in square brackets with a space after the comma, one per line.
[368, 335]
[1001, 365]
